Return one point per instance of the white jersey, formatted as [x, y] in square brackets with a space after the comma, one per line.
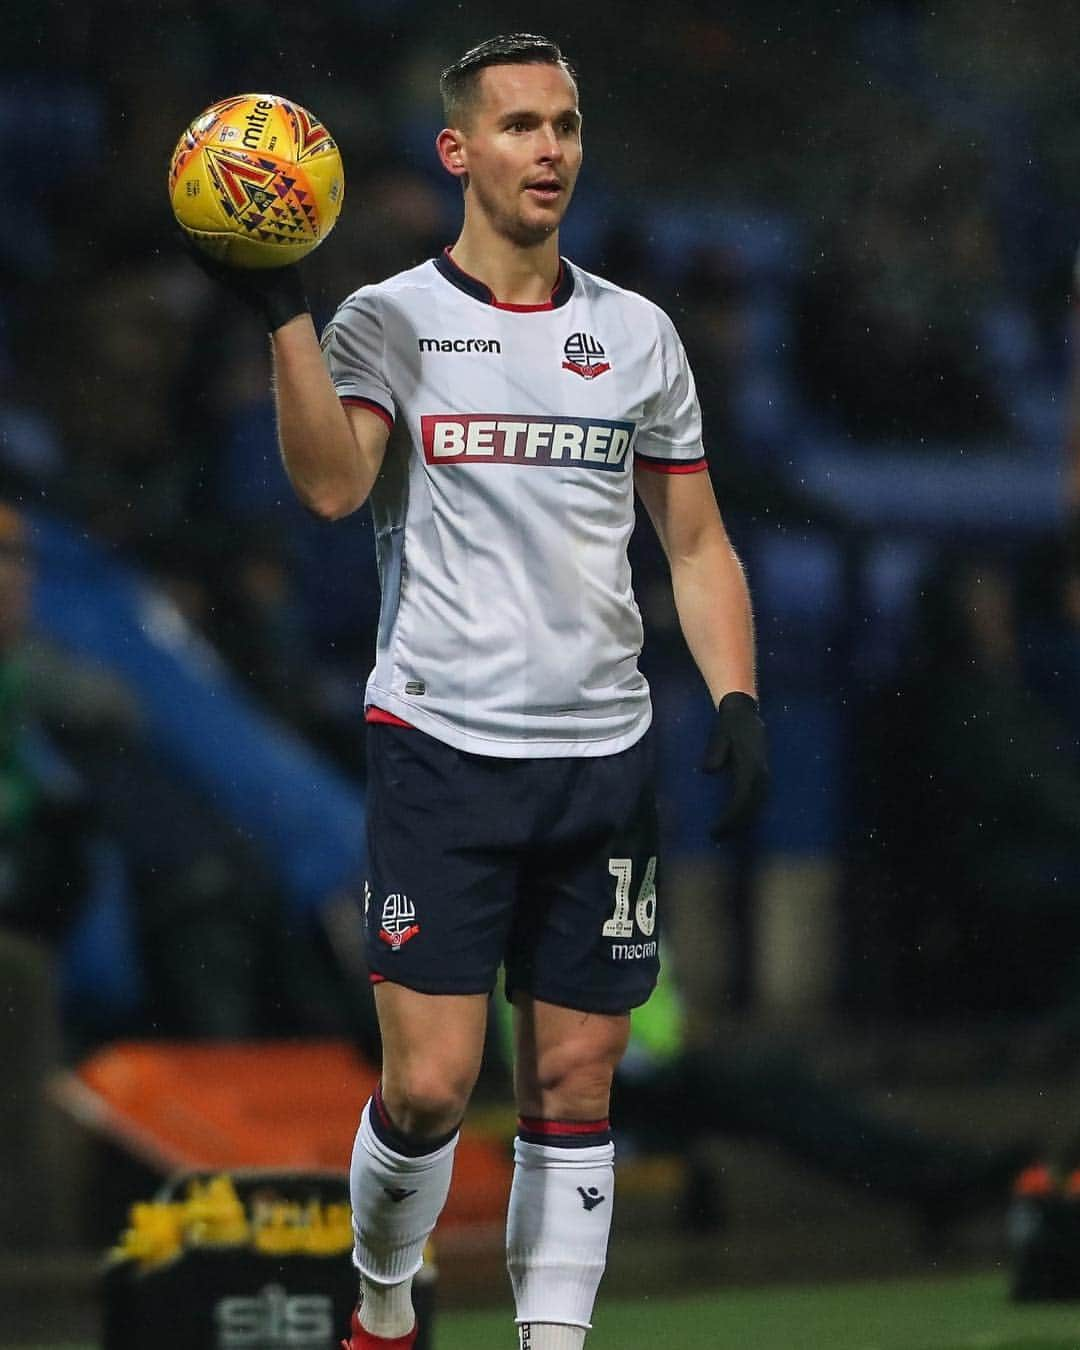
[505, 504]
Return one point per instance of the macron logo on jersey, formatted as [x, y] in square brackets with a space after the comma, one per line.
[492, 438]
[460, 345]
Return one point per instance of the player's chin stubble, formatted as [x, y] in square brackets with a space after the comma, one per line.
[518, 231]
[528, 236]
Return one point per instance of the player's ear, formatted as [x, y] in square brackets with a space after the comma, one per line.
[451, 150]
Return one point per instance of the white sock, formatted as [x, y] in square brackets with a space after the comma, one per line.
[386, 1309]
[396, 1200]
[556, 1237]
[549, 1336]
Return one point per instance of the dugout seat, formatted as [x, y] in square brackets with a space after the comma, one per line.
[291, 1106]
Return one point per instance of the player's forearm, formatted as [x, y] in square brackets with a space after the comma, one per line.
[329, 470]
[713, 603]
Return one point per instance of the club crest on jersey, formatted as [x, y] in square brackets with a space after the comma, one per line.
[584, 356]
[398, 921]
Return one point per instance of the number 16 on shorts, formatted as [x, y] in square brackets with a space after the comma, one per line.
[621, 924]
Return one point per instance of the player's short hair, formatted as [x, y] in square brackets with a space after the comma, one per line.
[459, 82]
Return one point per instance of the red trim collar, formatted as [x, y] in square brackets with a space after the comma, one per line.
[457, 276]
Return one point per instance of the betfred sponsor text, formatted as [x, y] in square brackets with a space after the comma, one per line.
[501, 438]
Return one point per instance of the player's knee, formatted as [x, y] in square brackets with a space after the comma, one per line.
[426, 1100]
[576, 1087]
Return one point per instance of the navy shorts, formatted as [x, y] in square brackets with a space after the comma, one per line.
[547, 866]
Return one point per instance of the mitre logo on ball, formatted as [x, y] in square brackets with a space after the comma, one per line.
[256, 181]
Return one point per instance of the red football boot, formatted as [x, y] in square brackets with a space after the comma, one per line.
[362, 1339]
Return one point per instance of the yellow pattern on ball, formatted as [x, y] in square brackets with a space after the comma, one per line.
[256, 181]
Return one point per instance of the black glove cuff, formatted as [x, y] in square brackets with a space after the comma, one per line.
[276, 294]
[284, 298]
[738, 699]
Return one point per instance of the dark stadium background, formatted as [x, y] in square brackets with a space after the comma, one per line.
[863, 218]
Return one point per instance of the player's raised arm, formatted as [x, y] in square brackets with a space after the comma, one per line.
[332, 454]
[256, 183]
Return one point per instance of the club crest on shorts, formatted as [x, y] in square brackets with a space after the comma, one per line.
[398, 924]
[584, 356]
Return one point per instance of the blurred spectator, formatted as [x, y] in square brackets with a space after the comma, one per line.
[43, 864]
[133, 473]
[219, 957]
[713, 320]
[891, 308]
[978, 808]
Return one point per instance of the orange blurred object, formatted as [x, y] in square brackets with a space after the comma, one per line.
[1035, 1180]
[287, 1105]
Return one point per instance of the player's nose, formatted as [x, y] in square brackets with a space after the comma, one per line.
[550, 146]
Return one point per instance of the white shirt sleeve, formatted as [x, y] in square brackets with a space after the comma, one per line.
[670, 431]
[354, 349]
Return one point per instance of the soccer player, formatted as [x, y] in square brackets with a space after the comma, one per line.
[499, 406]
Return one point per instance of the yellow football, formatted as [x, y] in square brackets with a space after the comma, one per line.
[256, 181]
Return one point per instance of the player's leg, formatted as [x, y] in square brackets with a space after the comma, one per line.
[436, 918]
[563, 1189]
[582, 954]
[404, 1150]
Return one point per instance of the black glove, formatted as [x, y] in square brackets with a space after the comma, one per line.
[737, 746]
[276, 294]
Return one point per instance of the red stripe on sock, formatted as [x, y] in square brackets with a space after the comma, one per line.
[380, 1107]
[537, 1125]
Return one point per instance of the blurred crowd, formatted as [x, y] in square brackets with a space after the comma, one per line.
[862, 219]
